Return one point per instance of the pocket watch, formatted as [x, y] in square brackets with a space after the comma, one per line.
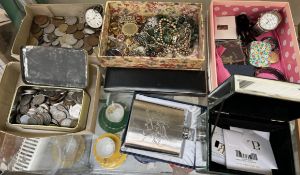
[266, 22]
[93, 17]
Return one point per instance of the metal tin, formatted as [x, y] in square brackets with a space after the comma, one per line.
[81, 120]
[54, 66]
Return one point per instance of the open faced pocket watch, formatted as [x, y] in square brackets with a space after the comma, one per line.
[93, 17]
[268, 21]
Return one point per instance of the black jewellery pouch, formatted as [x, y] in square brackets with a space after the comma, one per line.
[256, 104]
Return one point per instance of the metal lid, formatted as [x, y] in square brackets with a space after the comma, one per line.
[54, 66]
[257, 98]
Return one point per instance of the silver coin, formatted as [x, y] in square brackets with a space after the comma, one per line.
[74, 123]
[49, 29]
[40, 110]
[55, 42]
[71, 20]
[24, 108]
[39, 118]
[38, 99]
[47, 118]
[79, 44]
[58, 115]
[55, 122]
[30, 91]
[24, 119]
[66, 122]
[32, 121]
[45, 107]
[25, 99]
[46, 39]
[88, 31]
[31, 111]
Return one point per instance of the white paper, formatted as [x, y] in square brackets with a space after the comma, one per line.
[218, 146]
[265, 135]
[248, 152]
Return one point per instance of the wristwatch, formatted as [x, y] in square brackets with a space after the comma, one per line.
[266, 22]
[93, 17]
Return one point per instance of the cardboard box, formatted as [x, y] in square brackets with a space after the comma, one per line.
[194, 61]
[12, 79]
[48, 10]
[290, 54]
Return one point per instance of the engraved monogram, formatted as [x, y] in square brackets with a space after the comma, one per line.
[155, 128]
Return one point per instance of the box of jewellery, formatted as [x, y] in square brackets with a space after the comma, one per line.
[163, 35]
[166, 130]
[61, 25]
[248, 126]
[266, 46]
[75, 109]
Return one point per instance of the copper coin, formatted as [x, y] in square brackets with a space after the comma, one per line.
[57, 22]
[80, 26]
[79, 35]
[87, 47]
[38, 35]
[35, 28]
[71, 29]
[40, 19]
[92, 40]
[63, 28]
[274, 57]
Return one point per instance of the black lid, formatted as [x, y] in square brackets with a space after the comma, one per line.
[54, 66]
[257, 98]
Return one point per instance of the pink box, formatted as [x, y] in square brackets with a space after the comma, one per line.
[290, 55]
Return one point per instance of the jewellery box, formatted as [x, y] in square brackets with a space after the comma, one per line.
[284, 33]
[124, 19]
[57, 70]
[255, 104]
[166, 130]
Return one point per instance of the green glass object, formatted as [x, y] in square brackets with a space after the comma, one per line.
[14, 11]
[112, 127]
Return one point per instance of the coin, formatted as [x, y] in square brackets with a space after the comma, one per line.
[75, 111]
[57, 32]
[77, 96]
[47, 118]
[25, 99]
[79, 44]
[79, 35]
[39, 34]
[55, 42]
[66, 122]
[58, 115]
[40, 19]
[71, 29]
[129, 29]
[39, 118]
[18, 117]
[35, 28]
[92, 40]
[49, 29]
[32, 121]
[87, 47]
[67, 39]
[24, 119]
[55, 122]
[38, 99]
[80, 26]
[45, 25]
[56, 22]
[63, 28]
[71, 20]
[88, 31]
[45, 38]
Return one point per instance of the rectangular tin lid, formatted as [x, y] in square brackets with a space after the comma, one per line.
[257, 98]
[54, 66]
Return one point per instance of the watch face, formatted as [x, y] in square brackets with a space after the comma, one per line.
[93, 18]
[269, 21]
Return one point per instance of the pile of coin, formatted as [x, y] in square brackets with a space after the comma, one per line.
[68, 32]
[48, 107]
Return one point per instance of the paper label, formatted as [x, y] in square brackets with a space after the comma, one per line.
[218, 146]
[248, 152]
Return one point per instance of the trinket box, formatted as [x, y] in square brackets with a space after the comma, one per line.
[287, 49]
[163, 35]
[62, 25]
[166, 130]
[255, 104]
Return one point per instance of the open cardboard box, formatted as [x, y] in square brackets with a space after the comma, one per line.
[289, 49]
[48, 10]
[195, 61]
[12, 79]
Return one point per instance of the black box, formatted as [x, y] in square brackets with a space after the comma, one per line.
[256, 104]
